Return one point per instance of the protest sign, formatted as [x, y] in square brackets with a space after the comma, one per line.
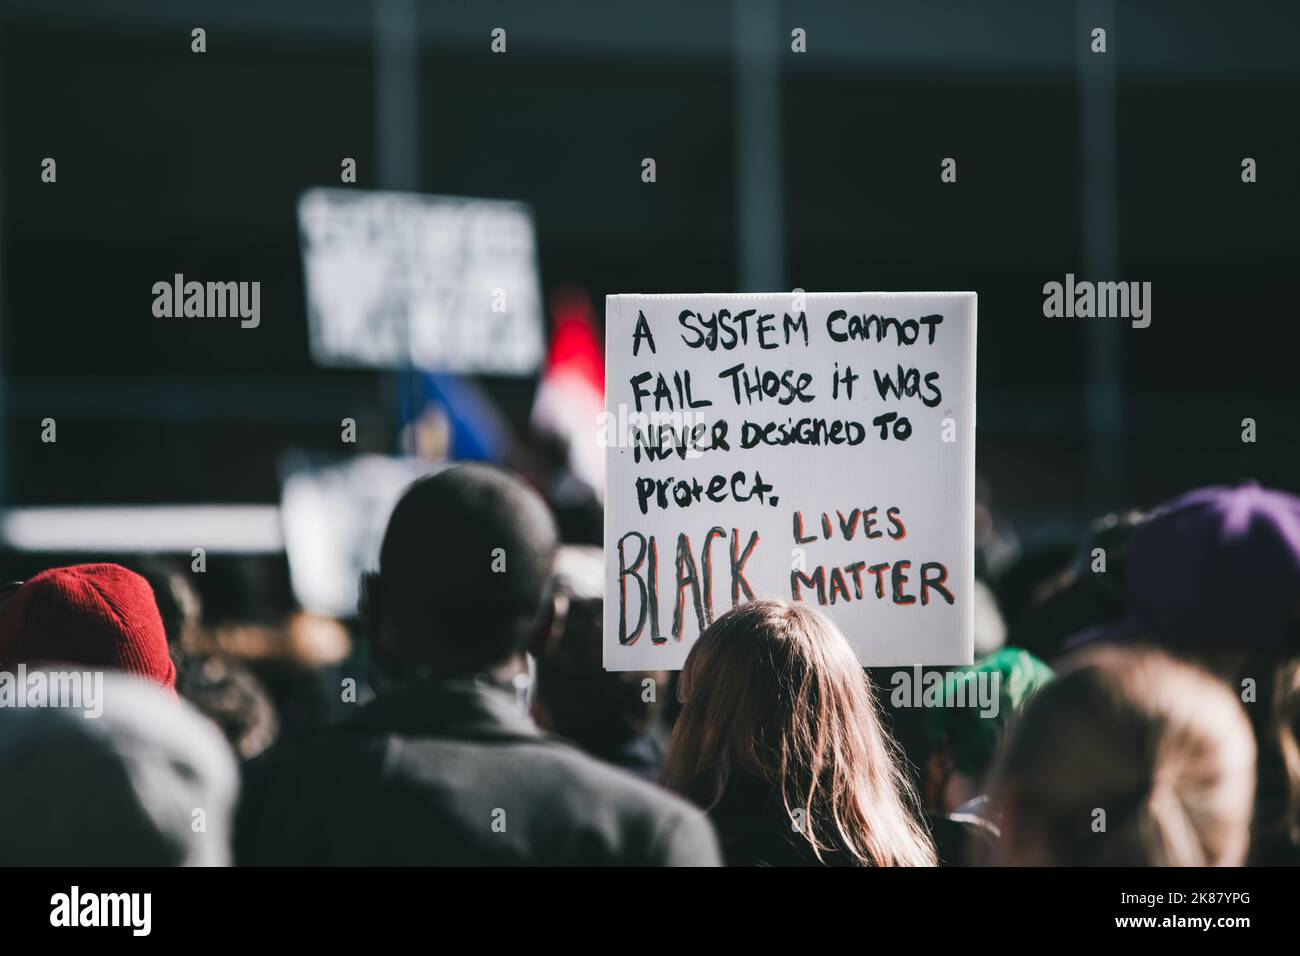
[334, 514]
[816, 447]
[439, 283]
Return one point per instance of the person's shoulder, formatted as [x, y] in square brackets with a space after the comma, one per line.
[329, 750]
[581, 770]
[674, 831]
[608, 812]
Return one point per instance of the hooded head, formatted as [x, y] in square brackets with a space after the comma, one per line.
[147, 782]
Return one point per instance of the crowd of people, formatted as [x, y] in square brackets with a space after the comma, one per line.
[1145, 710]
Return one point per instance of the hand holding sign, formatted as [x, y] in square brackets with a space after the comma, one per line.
[815, 447]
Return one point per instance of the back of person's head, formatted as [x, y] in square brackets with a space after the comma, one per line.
[123, 780]
[223, 690]
[1129, 758]
[87, 615]
[229, 694]
[1199, 560]
[465, 571]
[979, 704]
[1088, 599]
[773, 691]
[1037, 572]
[576, 696]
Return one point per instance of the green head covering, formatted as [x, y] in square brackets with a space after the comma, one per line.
[972, 736]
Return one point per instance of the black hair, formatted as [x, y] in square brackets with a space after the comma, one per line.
[465, 570]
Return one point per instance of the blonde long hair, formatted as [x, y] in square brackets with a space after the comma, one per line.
[773, 690]
[1161, 747]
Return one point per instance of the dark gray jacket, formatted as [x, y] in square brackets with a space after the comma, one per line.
[453, 773]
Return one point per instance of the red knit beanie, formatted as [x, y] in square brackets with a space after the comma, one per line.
[89, 615]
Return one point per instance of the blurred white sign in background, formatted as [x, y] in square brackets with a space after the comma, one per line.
[440, 283]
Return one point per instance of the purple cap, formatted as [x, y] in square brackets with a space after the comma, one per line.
[1219, 567]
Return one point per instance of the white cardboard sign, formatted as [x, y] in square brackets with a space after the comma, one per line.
[810, 446]
[441, 283]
